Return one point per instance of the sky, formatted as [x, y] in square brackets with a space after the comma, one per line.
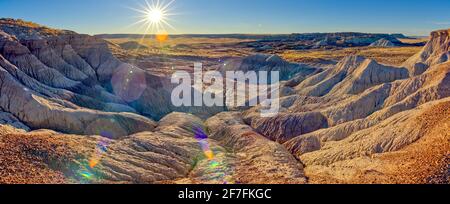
[411, 17]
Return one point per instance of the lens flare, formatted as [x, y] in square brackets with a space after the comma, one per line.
[217, 168]
[129, 82]
[89, 170]
[86, 175]
[162, 36]
[100, 150]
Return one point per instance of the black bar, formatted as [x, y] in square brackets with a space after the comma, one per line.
[261, 193]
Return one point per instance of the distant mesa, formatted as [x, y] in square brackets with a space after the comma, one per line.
[182, 46]
[400, 36]
[140, 36]
[305, 41]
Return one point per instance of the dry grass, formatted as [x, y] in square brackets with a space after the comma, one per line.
[389, 56]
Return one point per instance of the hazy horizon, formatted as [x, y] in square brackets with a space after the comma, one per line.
[249, 34]
[254, 17]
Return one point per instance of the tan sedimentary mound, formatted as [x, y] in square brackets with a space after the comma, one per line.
[410, 147]
[389, 135]
[396, 97]
[19, 55]
[37, 112]
[263, 62]
[258, 159]
[284, 127]
[353, 90]
[352, 75]
[436, 51]
[367, 75]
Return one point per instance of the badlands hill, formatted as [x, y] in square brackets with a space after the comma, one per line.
[71, 112]
[382, 43]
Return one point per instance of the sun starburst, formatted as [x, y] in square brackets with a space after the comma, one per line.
[155, 16]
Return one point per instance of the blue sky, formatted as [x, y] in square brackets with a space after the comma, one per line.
[412, 17]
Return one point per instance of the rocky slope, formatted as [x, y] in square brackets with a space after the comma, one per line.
[77, 78]
[173, 153]
[59, 80]
[436, 51]
[371, 111]
[347, 113]
[409, 147]
[352, 75]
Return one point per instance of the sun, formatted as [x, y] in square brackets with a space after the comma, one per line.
[155, 16]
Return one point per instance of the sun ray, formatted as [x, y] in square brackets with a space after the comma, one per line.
[167, 5]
